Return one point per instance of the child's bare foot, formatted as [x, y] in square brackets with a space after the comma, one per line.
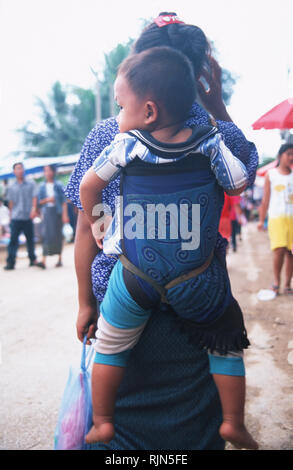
[103, 432]
[238, 435]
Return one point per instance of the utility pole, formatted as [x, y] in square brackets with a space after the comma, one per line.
[97, 97]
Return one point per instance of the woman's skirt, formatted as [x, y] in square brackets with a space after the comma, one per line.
[51, 231]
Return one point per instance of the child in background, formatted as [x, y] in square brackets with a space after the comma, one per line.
[165, 162]
[278, 203]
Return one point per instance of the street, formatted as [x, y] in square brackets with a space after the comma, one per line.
[38, 345]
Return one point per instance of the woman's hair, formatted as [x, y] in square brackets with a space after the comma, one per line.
[165, 76]
[53, 168]
[188, 39]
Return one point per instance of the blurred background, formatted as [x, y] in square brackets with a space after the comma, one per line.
[59, 59]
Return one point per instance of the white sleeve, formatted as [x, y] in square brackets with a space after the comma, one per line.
[114, 157]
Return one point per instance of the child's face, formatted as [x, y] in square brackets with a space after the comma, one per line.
[131, 115]
[287, 158]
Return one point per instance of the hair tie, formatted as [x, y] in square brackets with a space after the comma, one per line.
[164, 20]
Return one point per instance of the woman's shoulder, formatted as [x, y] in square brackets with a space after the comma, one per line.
[103, 133]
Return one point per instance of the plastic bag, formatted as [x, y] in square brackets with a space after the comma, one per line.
[75, 415]
[67, 232]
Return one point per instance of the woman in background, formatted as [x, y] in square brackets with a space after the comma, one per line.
[52, 201]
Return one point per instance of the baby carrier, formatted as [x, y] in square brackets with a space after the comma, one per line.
[156, 255]
[160, 264]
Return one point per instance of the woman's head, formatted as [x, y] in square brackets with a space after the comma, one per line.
[285, 155]
[188, 39]
[49, 172]
[154, 87]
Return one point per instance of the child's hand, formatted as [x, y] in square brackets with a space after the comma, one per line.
[98, 234]
[99, 229]
[260, 226]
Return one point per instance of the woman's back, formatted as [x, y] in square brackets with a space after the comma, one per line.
[168, 399]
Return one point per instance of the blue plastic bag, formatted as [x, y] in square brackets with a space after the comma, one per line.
[75, 415]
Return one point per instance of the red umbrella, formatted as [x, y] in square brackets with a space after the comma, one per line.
[264, 169]
[280, 117]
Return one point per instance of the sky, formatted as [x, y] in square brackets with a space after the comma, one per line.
[42, 41]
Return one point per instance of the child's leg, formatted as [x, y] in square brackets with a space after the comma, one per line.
[120, 325]
[105, 383]
[229, 376]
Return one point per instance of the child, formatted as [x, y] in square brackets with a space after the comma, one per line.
[166, 165]
[278, 202]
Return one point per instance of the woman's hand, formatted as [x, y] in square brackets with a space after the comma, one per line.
[65, 219]
[212, 97]
[260, 226]
[86, 323]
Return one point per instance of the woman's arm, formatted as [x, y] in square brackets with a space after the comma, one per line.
[263, 209]
[65, 216]
[85, 251]
[212, 98]
[91, 188]
[41, 202]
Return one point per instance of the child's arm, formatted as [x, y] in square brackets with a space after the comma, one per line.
[230, 172]
[91, 188]
[106, 167]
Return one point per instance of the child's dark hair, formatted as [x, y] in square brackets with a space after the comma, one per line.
[188, 39]
[166, 75]
[283, 149]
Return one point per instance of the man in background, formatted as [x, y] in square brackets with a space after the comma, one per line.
[22, 203]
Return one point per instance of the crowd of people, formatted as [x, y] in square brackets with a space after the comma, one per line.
[55, 211]
[22, 202]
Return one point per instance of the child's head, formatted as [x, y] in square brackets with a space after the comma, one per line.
[285, 155]
[154, 88]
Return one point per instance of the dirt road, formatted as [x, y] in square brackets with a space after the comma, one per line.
[38, 345]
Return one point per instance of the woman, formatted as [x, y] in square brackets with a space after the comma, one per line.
[52, 201]
[167, 399]
[278, 202]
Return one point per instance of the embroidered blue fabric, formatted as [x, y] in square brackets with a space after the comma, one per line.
[167, 399]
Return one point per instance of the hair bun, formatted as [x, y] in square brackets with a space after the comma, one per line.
[167, 13]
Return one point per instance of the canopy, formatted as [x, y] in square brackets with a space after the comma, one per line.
[36, 164]
[279, 117]
[264, 169]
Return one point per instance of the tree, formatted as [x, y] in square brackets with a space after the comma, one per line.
[65, 120]
[70, 112]
[112, 61]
